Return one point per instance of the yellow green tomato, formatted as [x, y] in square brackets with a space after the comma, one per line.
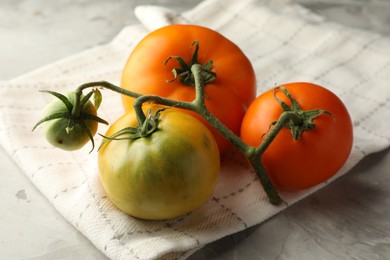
[67, 132]
[167, 174]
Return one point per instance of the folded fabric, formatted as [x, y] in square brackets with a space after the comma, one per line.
[285, 43]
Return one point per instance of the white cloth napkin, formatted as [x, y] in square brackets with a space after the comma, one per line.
[284, 41]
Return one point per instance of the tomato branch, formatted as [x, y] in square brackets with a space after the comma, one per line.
[202, 110]
[274, 131]
[261, 173]
[198, 106]
[97, 84]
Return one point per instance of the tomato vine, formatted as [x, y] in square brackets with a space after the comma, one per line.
[292, 117]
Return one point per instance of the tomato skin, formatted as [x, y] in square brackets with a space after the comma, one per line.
[167, 174]
[318, 154]
[228, 96]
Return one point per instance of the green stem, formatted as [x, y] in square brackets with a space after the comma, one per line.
[110, 86]
[76, 110]
[161, 101]
[104, 84]
[199, 106]
[201, 109]
[196, 69]
[253, 155]
[283, 119]
[261, 173]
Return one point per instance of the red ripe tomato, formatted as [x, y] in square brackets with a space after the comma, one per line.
[318, 153]
[227, 96]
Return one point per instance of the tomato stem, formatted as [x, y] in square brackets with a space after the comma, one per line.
[198, 105]
[252, 154]
[110, 86]
[141, 117]
[274, 131]
[293, 116]
[261, 173]
[184, 73]
[299, 120]
[103, 84]
[77, 105]
[200, 108]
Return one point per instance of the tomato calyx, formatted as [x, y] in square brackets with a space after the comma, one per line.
[299, 120]
[75, 113]
[184, 73]
[144, 129]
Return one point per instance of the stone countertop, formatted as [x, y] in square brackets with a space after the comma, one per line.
[348, 219]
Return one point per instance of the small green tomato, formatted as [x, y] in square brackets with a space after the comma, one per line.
[66, 129]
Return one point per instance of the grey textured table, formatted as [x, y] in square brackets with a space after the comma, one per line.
[348, 219]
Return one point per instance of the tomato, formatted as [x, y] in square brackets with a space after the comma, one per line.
[318, 153]
[66, 132]
[227, 97]
[169, 173]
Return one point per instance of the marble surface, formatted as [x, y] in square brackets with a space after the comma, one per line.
[348, 219]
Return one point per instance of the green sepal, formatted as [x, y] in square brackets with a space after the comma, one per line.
[85, 100]
[97, 98]
[61, 97]
[51, 117]
[149, 126]
[87, 116]
[72, 119]
[183, 72]
[304, 120]
[86, 129]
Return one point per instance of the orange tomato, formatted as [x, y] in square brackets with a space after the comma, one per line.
[318, 154]
[227, 97]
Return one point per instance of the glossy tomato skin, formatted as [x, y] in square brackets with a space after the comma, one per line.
[318, 154]
[227, 97]
[167, 174]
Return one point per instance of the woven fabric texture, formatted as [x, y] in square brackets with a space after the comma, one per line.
[285, 43]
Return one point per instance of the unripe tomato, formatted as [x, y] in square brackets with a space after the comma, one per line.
[169, 173]
[64, 132]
